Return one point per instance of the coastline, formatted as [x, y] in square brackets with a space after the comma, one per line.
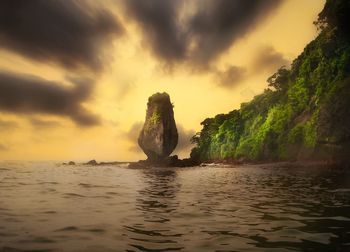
[182, 163]
[332, 164]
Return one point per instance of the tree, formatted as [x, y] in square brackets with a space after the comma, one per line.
[279, 80]
[335, 14]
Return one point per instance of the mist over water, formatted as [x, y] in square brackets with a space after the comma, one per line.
[48, 207]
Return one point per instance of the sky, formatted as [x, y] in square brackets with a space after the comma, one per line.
[75, 76]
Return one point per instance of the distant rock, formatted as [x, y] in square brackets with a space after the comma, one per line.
[69, 163]
[158, 137]
[92, 162]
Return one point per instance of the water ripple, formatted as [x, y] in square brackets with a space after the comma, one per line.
[45, 207]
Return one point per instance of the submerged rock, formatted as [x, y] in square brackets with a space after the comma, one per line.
[158, 137]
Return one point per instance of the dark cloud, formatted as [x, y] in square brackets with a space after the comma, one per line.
[43, 124]
[133, 134]
[201, 36]
[231, 76]
[159, 22]
[219, 23]
[184, 144]
[268, 59]
[8, 125]
[27, 94]
[70, 32]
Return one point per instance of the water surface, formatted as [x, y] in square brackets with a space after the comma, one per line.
[48, 207]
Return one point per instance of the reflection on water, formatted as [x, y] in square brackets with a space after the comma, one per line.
[157, 202]
[46, 207]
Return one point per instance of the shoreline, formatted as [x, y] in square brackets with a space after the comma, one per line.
[183, 163]
[284, 164]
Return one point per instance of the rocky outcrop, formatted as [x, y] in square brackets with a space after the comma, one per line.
[92, 162]
[158, 137]
[69, 163]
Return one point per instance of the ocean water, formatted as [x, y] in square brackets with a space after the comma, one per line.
[49, 207]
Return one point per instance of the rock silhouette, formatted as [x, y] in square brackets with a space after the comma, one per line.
[158, 137]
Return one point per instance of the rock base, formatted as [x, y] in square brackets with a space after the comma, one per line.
[172, 161]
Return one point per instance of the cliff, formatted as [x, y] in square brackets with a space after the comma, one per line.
[158, 137]
[303, 114]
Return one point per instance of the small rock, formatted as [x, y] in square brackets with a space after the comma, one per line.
[92, 162]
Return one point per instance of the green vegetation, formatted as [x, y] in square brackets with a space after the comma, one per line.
[155, 118]
[155, 104]
[304, 112]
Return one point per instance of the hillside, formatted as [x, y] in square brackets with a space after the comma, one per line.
[303, 114]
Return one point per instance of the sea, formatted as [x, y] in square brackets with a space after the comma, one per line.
[47, 206]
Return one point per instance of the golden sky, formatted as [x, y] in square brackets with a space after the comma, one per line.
[83, 96]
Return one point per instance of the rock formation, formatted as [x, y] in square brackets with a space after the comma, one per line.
[92, 162]
[158, 137]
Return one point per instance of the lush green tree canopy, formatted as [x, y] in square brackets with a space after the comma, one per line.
[304, 115]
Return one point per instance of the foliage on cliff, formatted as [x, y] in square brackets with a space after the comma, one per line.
[304, 112]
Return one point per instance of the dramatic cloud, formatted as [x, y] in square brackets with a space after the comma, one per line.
[219, 23]
[133, 134]
[231, 76]
[199, 36]
[43, 124]
[268, 59]
[70, 33]
[26, 94]
[8, 125]
[159, 22]
[185, 136]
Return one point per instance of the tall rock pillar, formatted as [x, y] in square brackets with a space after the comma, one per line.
[158, 137]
